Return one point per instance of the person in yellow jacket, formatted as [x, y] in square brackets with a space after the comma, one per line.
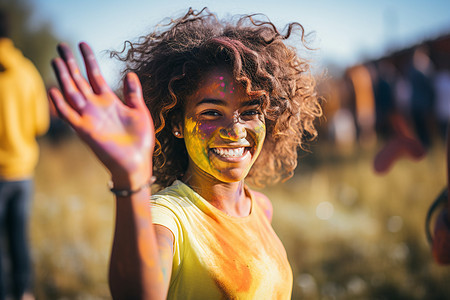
[24, 114]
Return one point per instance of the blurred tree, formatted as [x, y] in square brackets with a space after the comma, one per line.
[36, 41]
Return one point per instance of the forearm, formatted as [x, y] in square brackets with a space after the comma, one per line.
[135, 271]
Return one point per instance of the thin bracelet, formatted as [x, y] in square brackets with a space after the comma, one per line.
[128, 193]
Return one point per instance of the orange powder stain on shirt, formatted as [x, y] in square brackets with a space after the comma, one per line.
[234, 268]
[233, 271]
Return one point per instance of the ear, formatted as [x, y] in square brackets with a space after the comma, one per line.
[177, 130]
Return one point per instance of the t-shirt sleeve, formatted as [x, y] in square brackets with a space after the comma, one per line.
[164, 216]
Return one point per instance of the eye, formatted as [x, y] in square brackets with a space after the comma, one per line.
[251, 113]
[211, 113]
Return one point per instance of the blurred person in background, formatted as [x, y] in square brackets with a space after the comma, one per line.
[442, 89]
[24, 115]
[364, 104]
[422, 94]
[383, 75]
[392, 127]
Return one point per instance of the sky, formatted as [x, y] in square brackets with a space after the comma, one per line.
[344, 32]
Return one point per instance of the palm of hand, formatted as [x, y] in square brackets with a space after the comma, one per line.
[121, 135]
[117, 134]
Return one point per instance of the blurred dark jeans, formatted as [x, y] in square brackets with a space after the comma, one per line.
[15, 200]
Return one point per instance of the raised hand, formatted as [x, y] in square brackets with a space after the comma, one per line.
[121, 135]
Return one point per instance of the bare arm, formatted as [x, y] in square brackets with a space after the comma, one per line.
[165, 249]
[122, 137]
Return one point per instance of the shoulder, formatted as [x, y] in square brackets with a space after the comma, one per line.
[175, 201]
[263, 201]
[171, 194]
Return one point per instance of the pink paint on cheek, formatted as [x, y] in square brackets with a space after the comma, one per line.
[206, 129]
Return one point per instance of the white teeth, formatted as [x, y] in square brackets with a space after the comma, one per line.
[229, 152]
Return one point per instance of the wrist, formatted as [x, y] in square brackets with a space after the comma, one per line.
[127, 192]
[130, 181]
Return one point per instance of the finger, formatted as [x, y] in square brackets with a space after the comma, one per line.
[68, 86]
[63, 108]
[133, 91]
[68, 57]
[95, 77]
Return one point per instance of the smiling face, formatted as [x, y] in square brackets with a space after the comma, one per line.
[224, 129]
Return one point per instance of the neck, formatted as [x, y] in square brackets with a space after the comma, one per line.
[228, 197]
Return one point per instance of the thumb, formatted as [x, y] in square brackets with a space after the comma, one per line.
[133, 91]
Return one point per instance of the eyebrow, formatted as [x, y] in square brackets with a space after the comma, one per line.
[223, 103]
[211, 101]
[252, 102]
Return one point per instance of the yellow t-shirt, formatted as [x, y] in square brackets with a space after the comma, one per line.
[217, 256]
[24, 113]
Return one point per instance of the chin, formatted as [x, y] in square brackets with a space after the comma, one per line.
[230, 176]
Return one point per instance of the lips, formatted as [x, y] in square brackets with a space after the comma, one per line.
[231, 153]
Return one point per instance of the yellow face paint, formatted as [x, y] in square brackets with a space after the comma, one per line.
[224, 129]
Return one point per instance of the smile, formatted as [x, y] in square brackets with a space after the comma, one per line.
[229, 152]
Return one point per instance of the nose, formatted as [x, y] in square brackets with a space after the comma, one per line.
[234, 132]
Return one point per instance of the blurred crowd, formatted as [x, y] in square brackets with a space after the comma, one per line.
[403, 96]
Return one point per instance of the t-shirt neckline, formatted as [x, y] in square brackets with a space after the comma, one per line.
[197, 197]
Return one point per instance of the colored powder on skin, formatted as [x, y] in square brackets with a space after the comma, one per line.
[189, 125]
[224, 84]
[206, 129]
[260, 129]
[194, 136]
[123, 140]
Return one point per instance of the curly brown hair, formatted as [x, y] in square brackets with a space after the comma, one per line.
[171, 60]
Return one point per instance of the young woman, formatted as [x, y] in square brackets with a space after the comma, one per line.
[230, 102]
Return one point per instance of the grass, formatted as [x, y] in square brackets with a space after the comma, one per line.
[372, 244]
[72, 224]
[348, 233]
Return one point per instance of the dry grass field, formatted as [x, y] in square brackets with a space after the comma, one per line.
[349, 233]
